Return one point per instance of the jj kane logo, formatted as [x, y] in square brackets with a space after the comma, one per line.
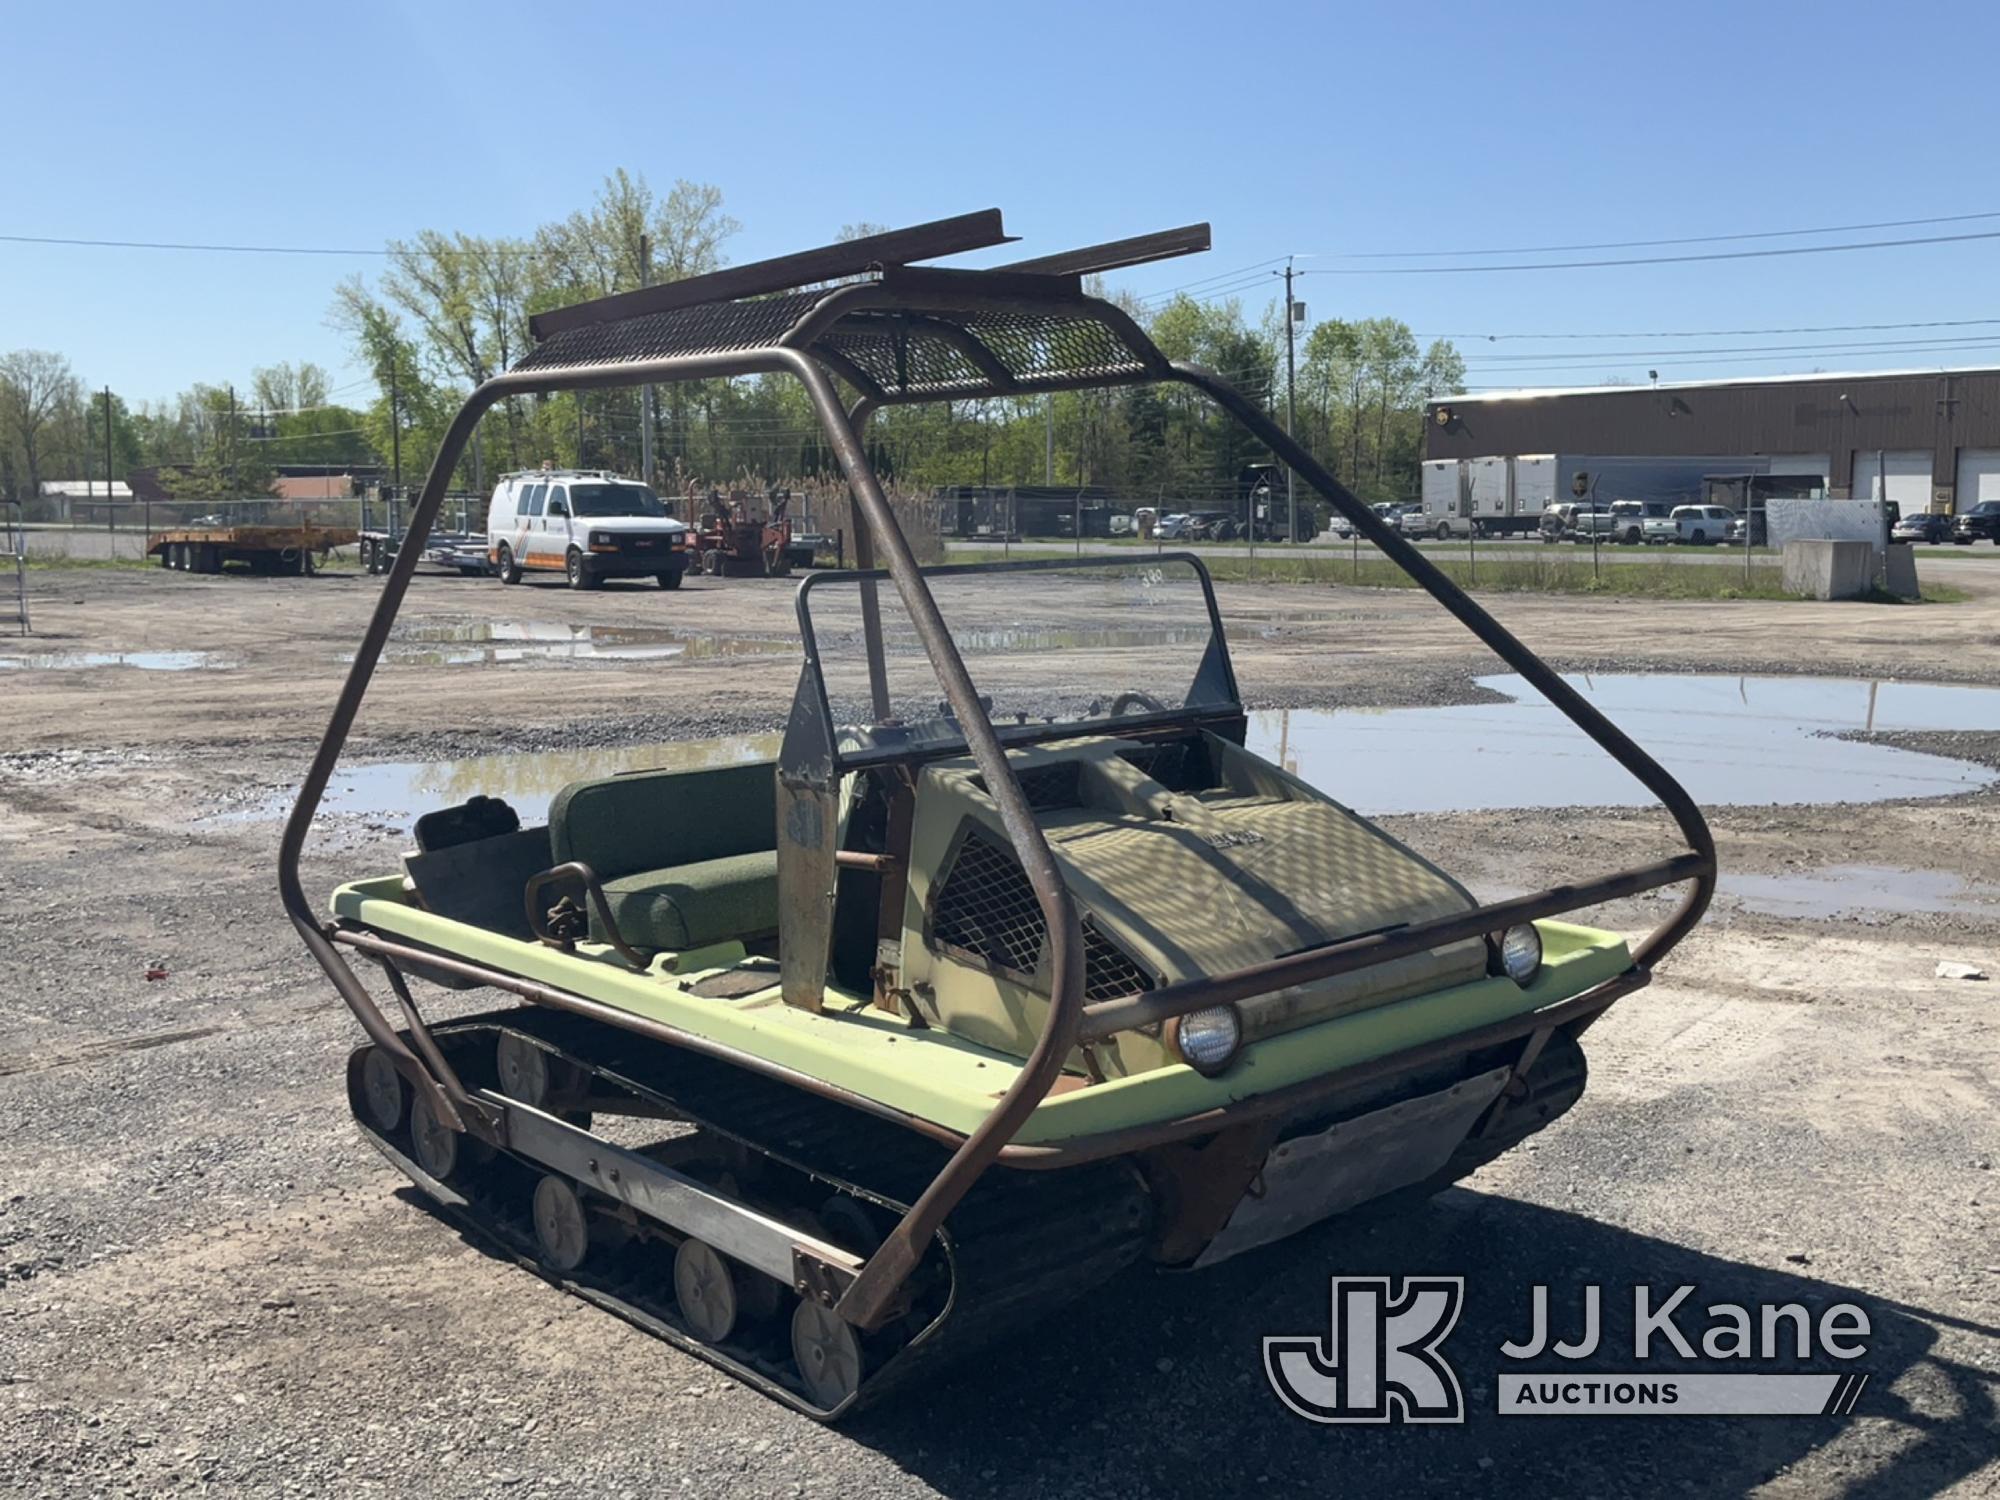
[1380, 1359]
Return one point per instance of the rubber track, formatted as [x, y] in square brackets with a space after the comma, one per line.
[1021, 1244]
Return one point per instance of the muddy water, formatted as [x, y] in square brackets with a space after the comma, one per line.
[1854, 890]
[1734, 740]
[145, 661]
[1729, 741]
[490, 642]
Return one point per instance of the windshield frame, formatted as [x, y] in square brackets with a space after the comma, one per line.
[1226, 711]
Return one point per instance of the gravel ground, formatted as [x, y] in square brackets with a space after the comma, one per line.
[208, 1283]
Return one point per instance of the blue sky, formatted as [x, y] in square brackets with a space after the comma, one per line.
[1318, 130]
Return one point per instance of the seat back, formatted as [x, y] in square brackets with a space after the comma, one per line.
[653, 820]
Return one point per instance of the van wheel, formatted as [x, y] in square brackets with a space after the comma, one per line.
[671, 579]
[579, 576]
[508, 570]
[1698, 537]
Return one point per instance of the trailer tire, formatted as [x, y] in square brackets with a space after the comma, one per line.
[1443, 532]
[711, 562]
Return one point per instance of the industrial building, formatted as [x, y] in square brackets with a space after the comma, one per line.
[1926, 439]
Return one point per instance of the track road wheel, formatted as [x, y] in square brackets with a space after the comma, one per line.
[827, 1351]
[562, 1228]
[435, 1143]
[383, 1093]
[524, 1070]
[705, 1290]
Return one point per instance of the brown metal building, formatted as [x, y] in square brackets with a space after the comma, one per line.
[1922, 438]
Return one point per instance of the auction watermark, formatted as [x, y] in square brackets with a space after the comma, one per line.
[1381, 1358]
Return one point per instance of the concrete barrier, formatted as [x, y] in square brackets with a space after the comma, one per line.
[1899, 571]
[1829, 570]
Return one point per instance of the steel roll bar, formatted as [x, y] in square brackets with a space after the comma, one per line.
[872, 1294]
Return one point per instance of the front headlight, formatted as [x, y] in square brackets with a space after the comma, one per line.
[1521, 953]
[1206, 1040]
[602, 539]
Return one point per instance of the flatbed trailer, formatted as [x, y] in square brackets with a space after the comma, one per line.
[453, 552]
[266, 549]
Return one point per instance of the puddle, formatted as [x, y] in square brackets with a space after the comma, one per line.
[1847, 890]
[145, 661]
[496, 641]
[1729, 740]
[399, 792]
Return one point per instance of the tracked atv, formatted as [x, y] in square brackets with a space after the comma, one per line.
[834, 1067]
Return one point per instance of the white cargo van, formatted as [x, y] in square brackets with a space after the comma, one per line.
[586, 524]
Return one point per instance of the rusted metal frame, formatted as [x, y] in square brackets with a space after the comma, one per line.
[874, 1291]
[784, 273]
[1151, 1007]
[454, 1087]
[871, 604]
[1116, 255]
[578, 871]
[1537, 673]
[312, 789]
[1516, 1086]
[852, 373]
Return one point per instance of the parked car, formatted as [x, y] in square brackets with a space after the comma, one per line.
[1209, 526]
[1981, 523]
[1923, 526]
[1172, 526]
[1702, 525]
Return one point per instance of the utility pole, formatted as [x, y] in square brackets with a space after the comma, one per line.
[395, 426]
[107, 460]
[1049, 439]
[579, 429]
[645, 392]
[1292, 314]
[230, 467]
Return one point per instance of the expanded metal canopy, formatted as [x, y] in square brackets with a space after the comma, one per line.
[893, 330]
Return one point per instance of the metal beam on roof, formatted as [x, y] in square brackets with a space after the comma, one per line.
[1113, 255]
[895, 247]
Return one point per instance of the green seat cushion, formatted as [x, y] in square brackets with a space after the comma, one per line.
[650, 820]
[693, 905]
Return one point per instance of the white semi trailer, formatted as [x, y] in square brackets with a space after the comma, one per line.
[1506, 496]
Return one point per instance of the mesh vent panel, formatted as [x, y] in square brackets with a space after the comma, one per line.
[986, 907]
[1108, 970]
[1047, 788]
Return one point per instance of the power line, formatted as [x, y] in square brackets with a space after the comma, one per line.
[1723, 333]
[1695, 239]
[1653, 260]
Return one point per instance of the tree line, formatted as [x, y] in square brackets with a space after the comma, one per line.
[450, 310]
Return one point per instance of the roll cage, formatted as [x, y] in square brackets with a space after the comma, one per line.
[900, 333]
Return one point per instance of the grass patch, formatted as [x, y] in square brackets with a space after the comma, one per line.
[1560, 574]
[1557, 573]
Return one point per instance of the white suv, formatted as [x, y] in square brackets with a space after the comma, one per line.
[1704, 525]
[586, 524]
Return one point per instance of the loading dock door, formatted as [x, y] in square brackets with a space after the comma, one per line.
[1909, 477]
[1978, 476]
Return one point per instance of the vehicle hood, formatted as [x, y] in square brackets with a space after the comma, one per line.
[631, 525]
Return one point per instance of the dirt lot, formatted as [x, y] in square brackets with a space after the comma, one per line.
[207, 1281]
